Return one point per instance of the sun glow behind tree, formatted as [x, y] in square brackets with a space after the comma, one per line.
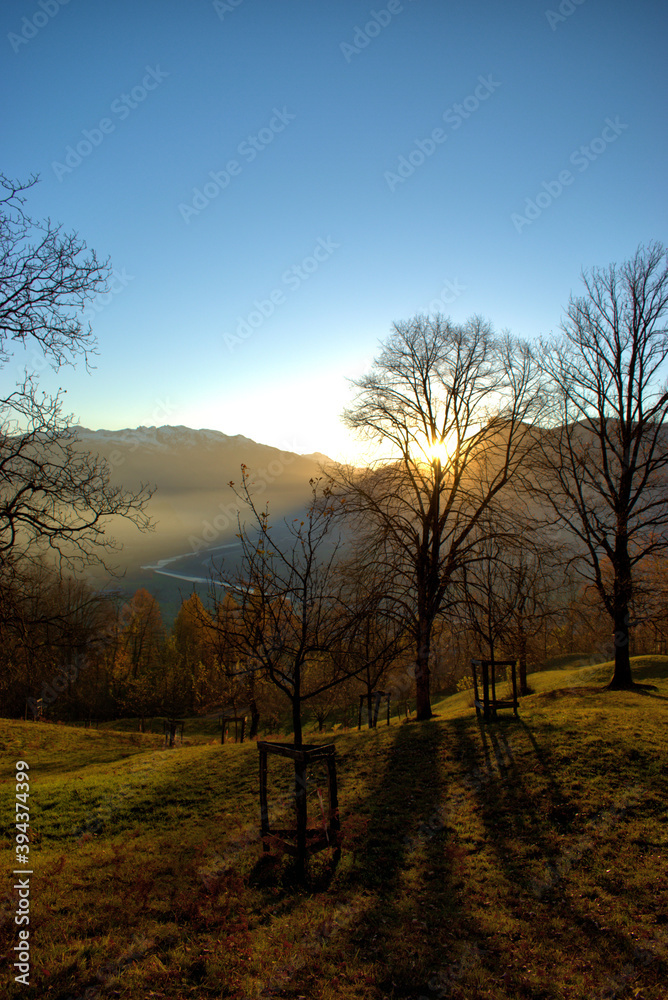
[451, 406]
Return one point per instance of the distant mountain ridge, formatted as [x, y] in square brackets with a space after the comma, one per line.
[165, 436]
[194, 508]
[174, 436]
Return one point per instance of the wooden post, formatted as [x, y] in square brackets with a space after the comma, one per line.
[485, 690]
[476, 695]
[236, 719]
[264, 810]
[515, 687]
[379, 695]
[493, 701]
[300, 807]
[334, 822]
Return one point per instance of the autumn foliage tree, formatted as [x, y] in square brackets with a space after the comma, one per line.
[194, 654]
[140, 654]
[48, 623]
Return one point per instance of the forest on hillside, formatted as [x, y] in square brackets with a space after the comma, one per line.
[93, 658]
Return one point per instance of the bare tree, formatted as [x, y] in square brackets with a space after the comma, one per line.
[453, 405]
[291, 613]
[374, 645]
[602, 469]
[487, 594]
[289, 607]
[53, 496]
[46, 278]
[650, 606]
[507, 592]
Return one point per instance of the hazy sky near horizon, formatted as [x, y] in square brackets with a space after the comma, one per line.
[276, 183]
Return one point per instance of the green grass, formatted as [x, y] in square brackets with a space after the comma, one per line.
[524, 859]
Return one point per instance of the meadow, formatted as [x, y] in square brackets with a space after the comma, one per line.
[523, 859]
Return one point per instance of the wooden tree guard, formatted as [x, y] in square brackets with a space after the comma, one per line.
[378, 696]
[36, 707]
[296, 842]
[170, 727]
[236, 719]
[490, 705]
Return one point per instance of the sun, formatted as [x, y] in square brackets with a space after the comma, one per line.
[438, 452]
[441, 451]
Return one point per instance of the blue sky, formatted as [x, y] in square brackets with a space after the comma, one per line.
[276, 183]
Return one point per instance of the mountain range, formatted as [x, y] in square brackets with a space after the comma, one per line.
[193, 508]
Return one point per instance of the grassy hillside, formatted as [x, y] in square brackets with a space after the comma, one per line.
[528, 858]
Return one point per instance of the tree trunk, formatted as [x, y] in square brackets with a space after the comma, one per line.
[300, 809]
[422, 700]
[622, 591]
[297, 721]
[522, 657]
[622, 677]
[300, 779]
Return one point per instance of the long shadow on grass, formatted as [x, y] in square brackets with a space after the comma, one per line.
[537, 843]
[532, 841]
[409, 866]
[400, 866]
[648, 691]
[491, 769]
